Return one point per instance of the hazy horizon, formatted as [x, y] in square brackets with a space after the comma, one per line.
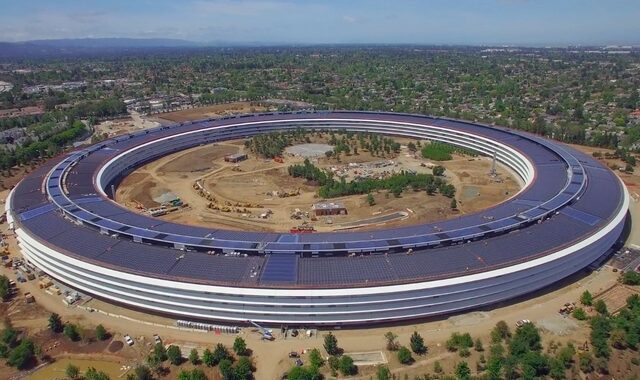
[269, 22]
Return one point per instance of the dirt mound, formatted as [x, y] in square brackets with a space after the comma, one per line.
[115, 346]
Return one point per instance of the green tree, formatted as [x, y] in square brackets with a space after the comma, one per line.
[159, 352]
[304, 373]
[9, 336]
[207, 358]
[142, 372]
[556, 370]
[22, 356]
[404, 355]
[71, 331]
[600, 307]
[93, 374]
[72, 371]
[462, 371]
[500, 332]
[346, 366]
[220, 353]
[565, 355]
[454, 204]
[371, 201]
[527, 338]
[437, 367]
[174, 355]
[101, 332]
[55, 323]
[417, 344]
[438, 171]
[243, 369]
[392, 344]
[5, 287]
[586, 362]
[631, 277]
[331, 344]
[478, 345]
[383, 372]
[194, 357]
[239, 346]
[586, 298]
[226, 369]
[315, 358]
[618, 338]
[4, 351]
[494, 368]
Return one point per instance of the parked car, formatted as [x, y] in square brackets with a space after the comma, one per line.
[522, 322]
[293, 354]
[156, 339]
[128, 340]
[299, 363]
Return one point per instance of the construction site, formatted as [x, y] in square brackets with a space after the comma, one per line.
[224, 185]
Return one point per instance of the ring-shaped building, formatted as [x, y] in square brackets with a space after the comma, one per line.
[569, 213]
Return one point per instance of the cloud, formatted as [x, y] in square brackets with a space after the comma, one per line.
[240, 7]
[349, 19]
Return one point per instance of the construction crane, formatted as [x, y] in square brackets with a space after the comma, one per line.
[266, 334]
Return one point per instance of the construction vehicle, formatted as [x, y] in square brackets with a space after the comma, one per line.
[266, 334]
[139, 205]
[291, 193]
[302, 229]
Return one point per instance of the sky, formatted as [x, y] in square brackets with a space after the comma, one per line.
[468, 22]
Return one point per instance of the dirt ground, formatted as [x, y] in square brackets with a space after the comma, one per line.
[244, 191]
[209, 111]
[616, 297]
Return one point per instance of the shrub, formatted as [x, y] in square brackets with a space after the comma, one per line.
[159, 352]
[478, 345]
[22, 356]
[194, 357]
[579, 314]
[239, 346]
[417, 343]
[174, 355]
[404, 355]
[600, 307]
[72, 371]
[383, 373]
[315, 359]
[586, 298]
[462, 371]
[207, 358]
[586, 362]
[458, 341]
[500, 331]
[71, 332]
[346, 366]
[55, 323]
[631, 278]
[303, 373]
[101, 332]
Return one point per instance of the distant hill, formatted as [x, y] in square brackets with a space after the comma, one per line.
[86, 46]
